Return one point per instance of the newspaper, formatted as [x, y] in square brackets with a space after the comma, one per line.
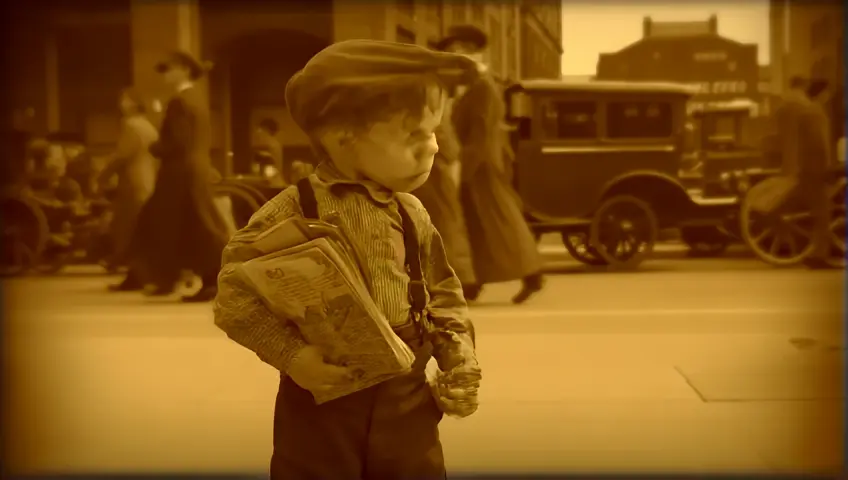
[317, 285]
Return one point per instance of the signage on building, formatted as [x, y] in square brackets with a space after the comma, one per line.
[721, 87]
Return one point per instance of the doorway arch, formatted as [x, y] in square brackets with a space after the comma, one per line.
[249, 80]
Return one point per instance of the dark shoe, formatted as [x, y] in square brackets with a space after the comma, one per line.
[128, 285]
[471, 292]
[205, 294]
[529, 286]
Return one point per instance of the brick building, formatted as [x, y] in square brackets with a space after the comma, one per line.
[688, 52]
[70, 60]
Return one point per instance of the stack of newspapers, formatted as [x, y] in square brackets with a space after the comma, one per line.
[306, 272]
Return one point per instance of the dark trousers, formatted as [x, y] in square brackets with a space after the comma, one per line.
[816, 197]
[389, 431]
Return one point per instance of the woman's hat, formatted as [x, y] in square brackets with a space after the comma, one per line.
[465, 34]
[185, 59]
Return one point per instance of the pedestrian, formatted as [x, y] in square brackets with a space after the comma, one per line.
[135, 169]
[502, 245]
[180, 227]
[370, 108]
[802, 129]
[268, 152]
[440, 196]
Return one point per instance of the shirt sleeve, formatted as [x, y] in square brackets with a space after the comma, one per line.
[238, 311]
[448, 311]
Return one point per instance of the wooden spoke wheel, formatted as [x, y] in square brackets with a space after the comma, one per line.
[24, 234]
[624, 231]
[838, 252]
[577, 245]
[244, 202]
[705, 241]
[782, 237]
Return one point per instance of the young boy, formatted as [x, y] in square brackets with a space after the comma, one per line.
[371, 109]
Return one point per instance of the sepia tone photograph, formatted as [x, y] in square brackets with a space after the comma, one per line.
[369, 240]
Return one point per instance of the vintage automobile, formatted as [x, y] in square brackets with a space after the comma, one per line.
[598, 162]
[720, 146]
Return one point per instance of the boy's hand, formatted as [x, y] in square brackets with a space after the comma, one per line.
[457, 388]
[310, 371]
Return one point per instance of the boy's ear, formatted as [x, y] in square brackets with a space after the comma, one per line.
[336, 137]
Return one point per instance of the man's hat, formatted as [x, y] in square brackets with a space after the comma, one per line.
[185, 59]
[466, 34]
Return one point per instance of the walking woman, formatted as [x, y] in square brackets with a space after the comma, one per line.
[440, 196]
[503, 247]
[135, 168]
[181, 228]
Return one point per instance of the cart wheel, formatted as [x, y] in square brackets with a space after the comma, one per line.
[838, 252]
[244, 202]
[624, 231]
[577, 245]
[781, 238]
[704, 242]
[24, 235]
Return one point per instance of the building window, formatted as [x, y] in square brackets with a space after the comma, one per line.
[434, 15]
[710, 56]
[406, 7]
[511, 57]
[639, 120]
[570, 120]
[478, 12]
[404, 35]
[496, 47]
[458, 12]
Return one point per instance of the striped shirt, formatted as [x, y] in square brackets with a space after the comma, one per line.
[369, 217]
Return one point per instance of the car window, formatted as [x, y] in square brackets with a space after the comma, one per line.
[639, 120]
[570, 120]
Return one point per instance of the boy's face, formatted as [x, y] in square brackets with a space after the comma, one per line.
[398, 153]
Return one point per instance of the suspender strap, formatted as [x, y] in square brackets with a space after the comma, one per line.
[308, 204]
[417, 287]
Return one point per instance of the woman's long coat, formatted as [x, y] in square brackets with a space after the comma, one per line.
[135, 168]
[503, 247]
[180, 227]
[440, 196]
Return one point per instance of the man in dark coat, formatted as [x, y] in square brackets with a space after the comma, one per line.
[503, 247]
[803, 133]
[180, 228]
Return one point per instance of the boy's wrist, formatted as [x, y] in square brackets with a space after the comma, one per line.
[290, 355]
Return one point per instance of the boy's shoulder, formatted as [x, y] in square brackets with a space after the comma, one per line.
[416, 211]
[412, 204]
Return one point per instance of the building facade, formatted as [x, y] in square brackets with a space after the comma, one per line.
[694, 53]
[808, 39]
[88, 50]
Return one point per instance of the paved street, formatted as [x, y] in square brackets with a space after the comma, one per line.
[686, 365]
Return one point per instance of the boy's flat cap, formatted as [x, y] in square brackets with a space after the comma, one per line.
[356, 63]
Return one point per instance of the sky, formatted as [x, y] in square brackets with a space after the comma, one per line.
[600, 26]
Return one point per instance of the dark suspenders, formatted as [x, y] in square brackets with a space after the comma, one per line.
[412, 260]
